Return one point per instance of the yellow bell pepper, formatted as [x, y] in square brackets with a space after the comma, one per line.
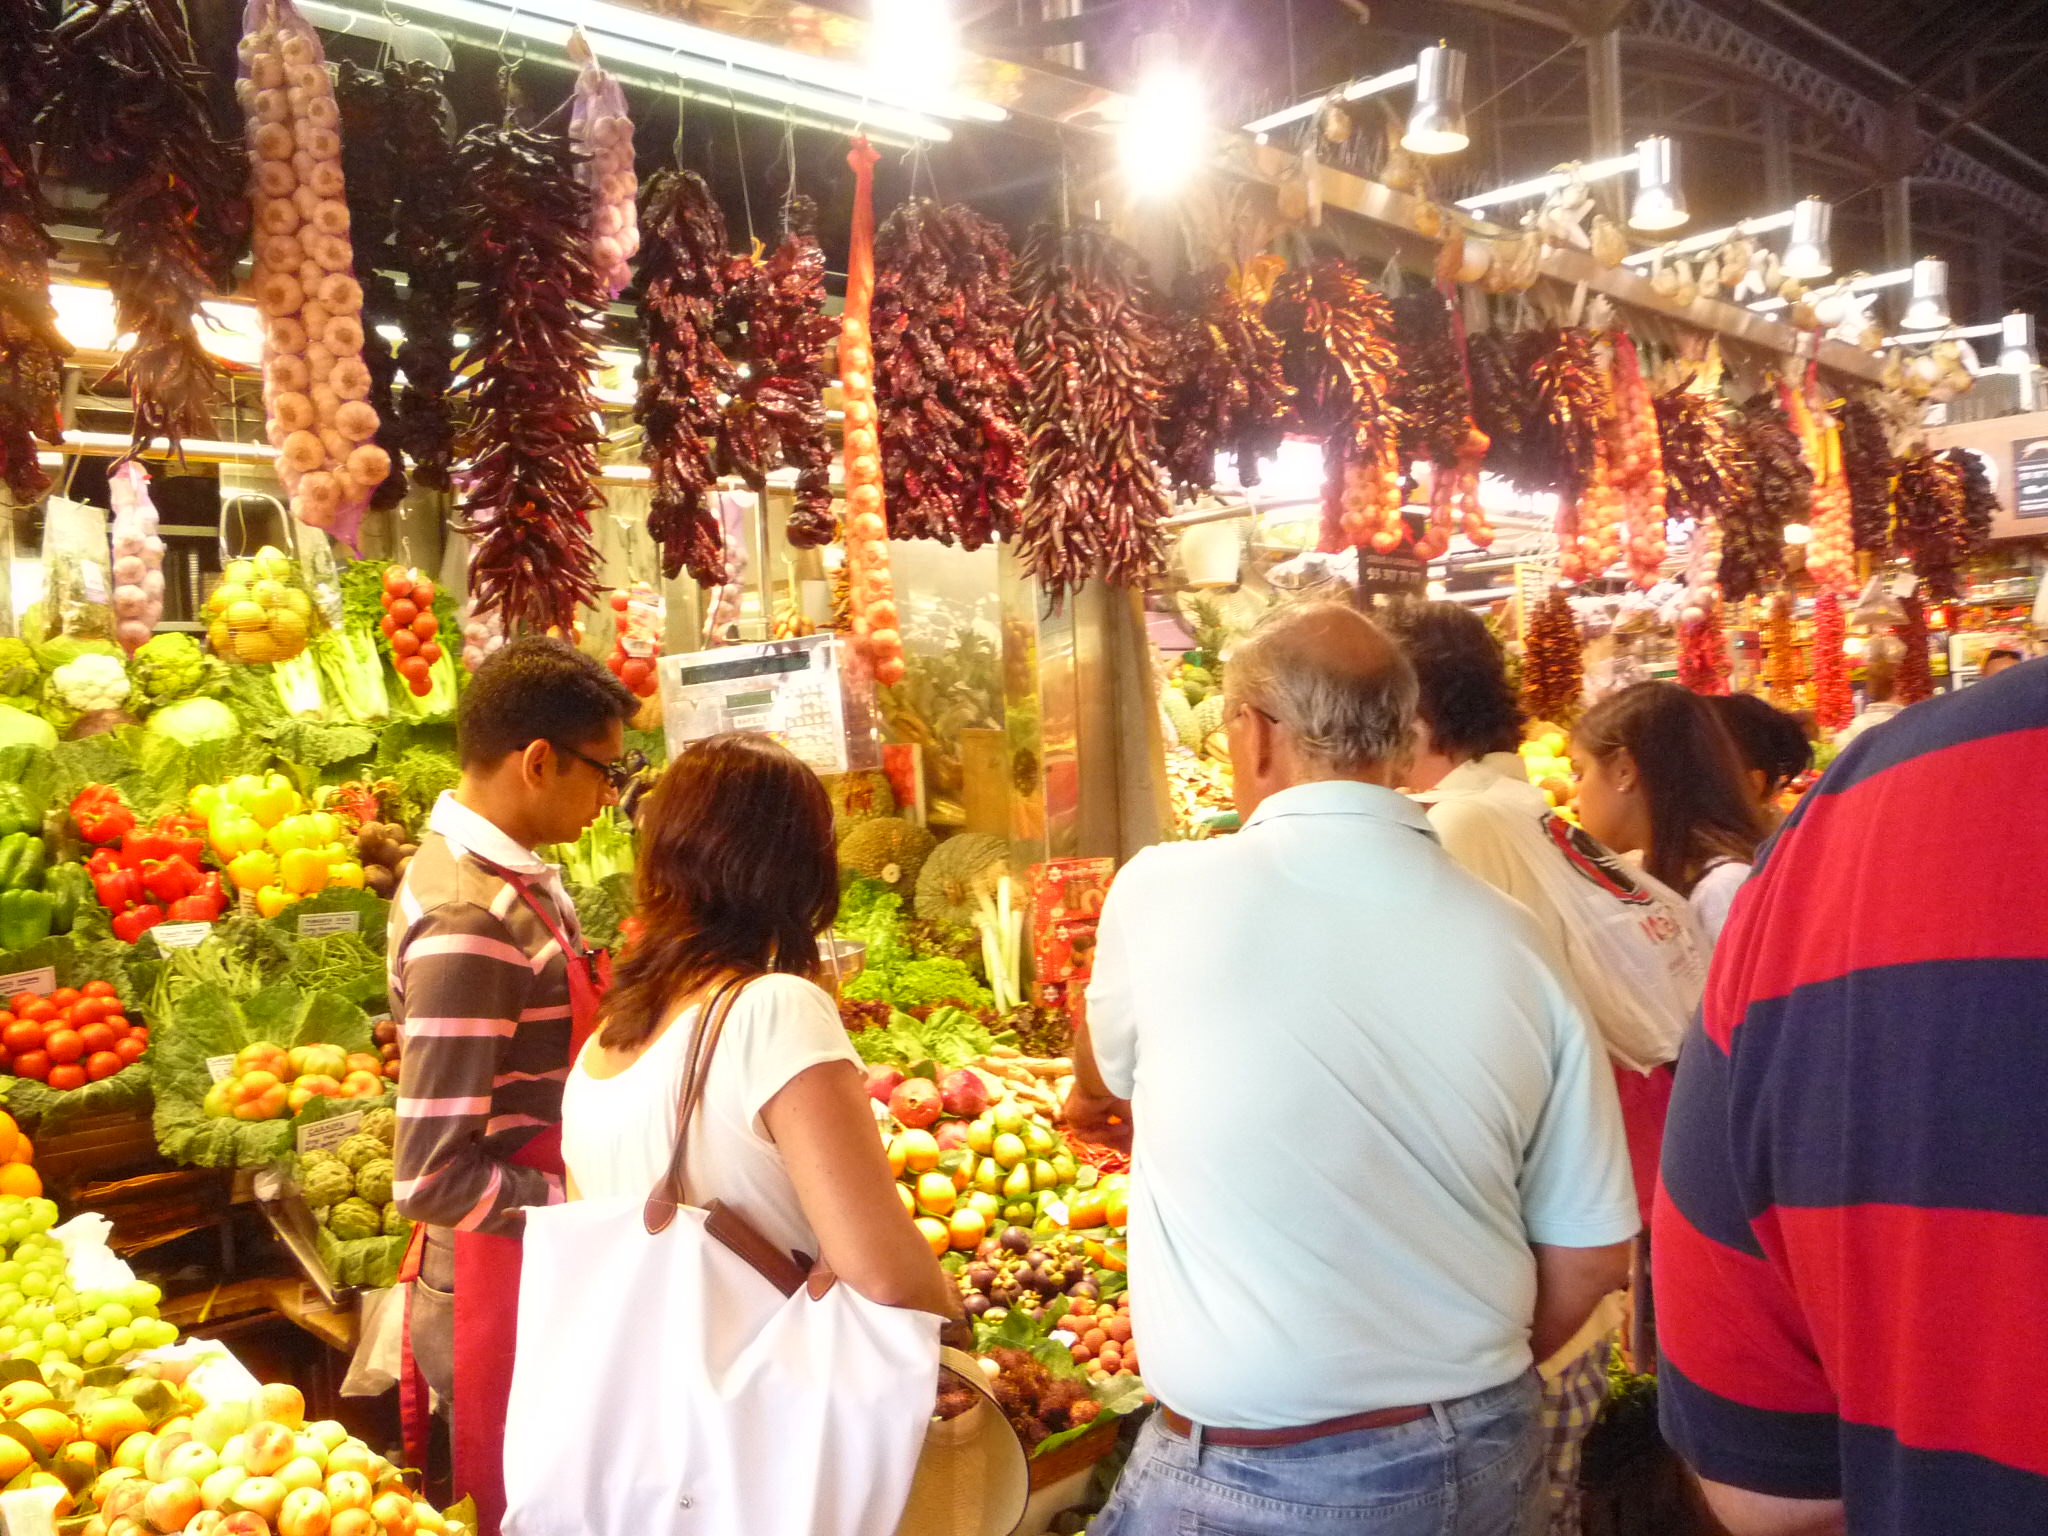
[232, 832]
[253, 870]
[274, 801]
[326, 828]
[348, 873]
[204, 800]
[303, 871]
[241, 787]
[273, 899]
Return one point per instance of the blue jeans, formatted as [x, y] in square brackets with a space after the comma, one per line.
[1472, 1468]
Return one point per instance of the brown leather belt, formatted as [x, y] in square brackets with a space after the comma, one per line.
[1250, 1439]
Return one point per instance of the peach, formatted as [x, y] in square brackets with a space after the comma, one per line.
[271, 1445]
[305, 1513]
[168, 1506]
[300, 1472]
[348, 1490]
[260, 1495]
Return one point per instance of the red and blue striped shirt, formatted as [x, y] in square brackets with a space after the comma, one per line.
[1852, 1234]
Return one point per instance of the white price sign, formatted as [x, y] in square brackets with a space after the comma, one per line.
[220, 1068]
[326, 1135]
[180, 935]
[44, 980]
[318, 925]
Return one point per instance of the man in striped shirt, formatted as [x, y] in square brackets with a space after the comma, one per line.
[481, 976]
[1852, 1231]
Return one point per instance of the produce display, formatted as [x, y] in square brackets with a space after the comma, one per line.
[1833, 708]
[1932, 521]
[258, 613]
[69, 1036]
[410, 627]
[267, 1082]
[1552, 679]
[362, 1237]
[272, 844]
[44, 1321]
[138, 556]
[636, 639]
[1637, 457]
[602, 135]
[1868, 467]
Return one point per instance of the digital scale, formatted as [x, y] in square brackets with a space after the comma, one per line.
[807, 693]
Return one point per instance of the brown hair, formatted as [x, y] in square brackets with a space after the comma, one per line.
[737, 876]
[1700, 809]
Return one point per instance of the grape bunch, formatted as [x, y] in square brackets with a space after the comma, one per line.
[410, 628]
[44, 1320]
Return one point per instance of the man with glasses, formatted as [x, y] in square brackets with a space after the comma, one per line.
[490, 983]
[1378, 1168]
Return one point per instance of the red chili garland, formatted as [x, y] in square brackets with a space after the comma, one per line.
[1832, 706]
[31, 352]
[1703, 652]
[1916, 673]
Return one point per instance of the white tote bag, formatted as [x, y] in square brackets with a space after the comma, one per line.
[664, 1384]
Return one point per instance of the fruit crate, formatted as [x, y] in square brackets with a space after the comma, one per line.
[1074, 1456]
[96, 1147]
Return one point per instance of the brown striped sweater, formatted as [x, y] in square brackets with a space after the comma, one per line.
[480, 991]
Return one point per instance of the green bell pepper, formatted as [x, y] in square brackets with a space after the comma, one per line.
[24, 919]
[69, 887]
[21, 862]
[17, 812]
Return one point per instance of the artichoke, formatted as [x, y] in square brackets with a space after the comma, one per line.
[382, 1124]
[327, 1182]
[355, 1218]
[373, 1180]
[395, 1225]
[359, 1149]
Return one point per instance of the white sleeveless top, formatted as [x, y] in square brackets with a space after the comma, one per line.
[617, 1132]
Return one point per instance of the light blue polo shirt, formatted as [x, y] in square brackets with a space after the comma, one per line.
[1360, 1094]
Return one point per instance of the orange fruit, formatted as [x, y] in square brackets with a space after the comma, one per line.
[21, 1180]
[23, 1152]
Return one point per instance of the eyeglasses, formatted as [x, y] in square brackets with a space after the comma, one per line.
[618, 775]
[1249, 709]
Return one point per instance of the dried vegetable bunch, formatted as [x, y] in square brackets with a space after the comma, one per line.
[127, 117]
[949, 393]
[871, 590]
[685, 271]
[1225, 389]
[315, 384]
[1868, 467]
[1753, 530]
[1831, 556]
[32, 353]
[1703, 651]
[1916, 673]
[1089, 347]
[1521, 444]
[530, 446]
[1933, 526]
[1707, 466]
[1552, 671]
[1432, 397]
[1832, 706]
[1782, 671]
[777, 412]
[1572, 393]
[1980, 501]
[602, 134]
[1638, 459]
[1337, 332]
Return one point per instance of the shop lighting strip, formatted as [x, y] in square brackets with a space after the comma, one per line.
[1538, 186]
[1758, 226]
[1357, 90]
[1953, 333]
[1861, 285]
[839, 90]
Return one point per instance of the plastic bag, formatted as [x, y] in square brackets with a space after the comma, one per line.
[602, 132]
[138, 557]
[77, 575]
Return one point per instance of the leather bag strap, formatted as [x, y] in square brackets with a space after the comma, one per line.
[668, 1194]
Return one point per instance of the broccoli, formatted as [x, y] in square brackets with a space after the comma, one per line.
[168, 667]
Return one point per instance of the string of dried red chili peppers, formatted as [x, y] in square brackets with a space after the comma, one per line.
[32, 353]
[1832, 706]
[1225, 388]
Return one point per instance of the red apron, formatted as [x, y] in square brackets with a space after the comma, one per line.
[487, 1281]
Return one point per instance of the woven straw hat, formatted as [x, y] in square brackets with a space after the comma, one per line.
[973, 1479]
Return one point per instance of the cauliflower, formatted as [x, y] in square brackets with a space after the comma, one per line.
[382, 1124]
[92, 682]
[359, 1149]
[354, 1218]
[170, 667]
[327, 1181]
[395, 1225]
[373, 1180]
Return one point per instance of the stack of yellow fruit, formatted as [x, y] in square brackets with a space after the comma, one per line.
[257, 614]
[1546, 758]
[270, 844]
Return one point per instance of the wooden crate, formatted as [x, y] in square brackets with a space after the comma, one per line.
[97, 1147]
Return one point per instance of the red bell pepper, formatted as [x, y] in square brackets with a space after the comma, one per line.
[187, 835]
[144, 846]
[136, 921]
[100, 813]
[170, 879]
[195, 908]
[119, 889]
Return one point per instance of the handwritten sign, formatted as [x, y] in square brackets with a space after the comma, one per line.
[180, 935]
[2030, 477]
[319, 925]
[326, 1135]
[44, 980]
[220, 1068]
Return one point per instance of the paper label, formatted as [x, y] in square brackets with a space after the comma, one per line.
[220, 1068]
[1056, 1211]
[180, 935]
[318, 925]
[325, 1135]
[44, 980]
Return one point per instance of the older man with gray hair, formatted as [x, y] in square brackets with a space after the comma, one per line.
[1379, 1169]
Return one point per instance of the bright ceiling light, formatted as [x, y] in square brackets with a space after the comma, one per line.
[914, 48]
[1806, 250]
[1357, 90]
[1165, 138]
[1927, 310]
[1659, 202]
[1541, 186]
[1436, 124]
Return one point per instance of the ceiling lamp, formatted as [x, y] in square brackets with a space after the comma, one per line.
[2016, 352]
[1806, 251]
[1659, 204]
[1436, 124]
[1165, 138]
[1927, 310]
[913, 46]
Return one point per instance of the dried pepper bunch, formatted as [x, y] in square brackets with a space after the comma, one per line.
[1832, 706]
[1433, 399]
[1868, 465]
[1522, 446]
[1574, 396]
[1980, 501]
[31, 351]
[128, 117]
[1225, 388]
[777, 412]
[1753, 534]
[1916, 673]
[1090, 345]
[1707, 467]
[1337, 334]
[528, 485]
[1932, 521]
[1552, 671]
[1782, 671]
[685, 272]
[1703, 652]
[949, 393]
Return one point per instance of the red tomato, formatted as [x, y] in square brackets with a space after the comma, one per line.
[41, 1011]
[411, 667]
[404, 643]
[103, 1064]
[397, 580]
[35, 1064]
[620, 602]
[22, 1035]
[64, 997]
[116, 1022]
[99, 989]
[64, 1046]
[634, 672]
[21, 1000]
[429, 652]
[97, 1037]
[388, 625]
[403, 611]
[423, 593]
[88, 1009]
[66, 1078]
[425, 626]
[130, 1049]
[139, 1032]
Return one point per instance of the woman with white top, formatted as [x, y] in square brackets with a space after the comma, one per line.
[737, 878]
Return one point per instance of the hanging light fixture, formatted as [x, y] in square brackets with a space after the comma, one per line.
[1166, 135]
[1927, 310]
[2017, 356]
[1659, 203]
[1806, 251]
[1436, 124]
[913, 44]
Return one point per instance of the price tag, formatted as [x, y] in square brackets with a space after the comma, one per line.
[180, 935]
[318, 925]
[220, 1068]
[1057, 1211]
[44, 980]
[325, 1135]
